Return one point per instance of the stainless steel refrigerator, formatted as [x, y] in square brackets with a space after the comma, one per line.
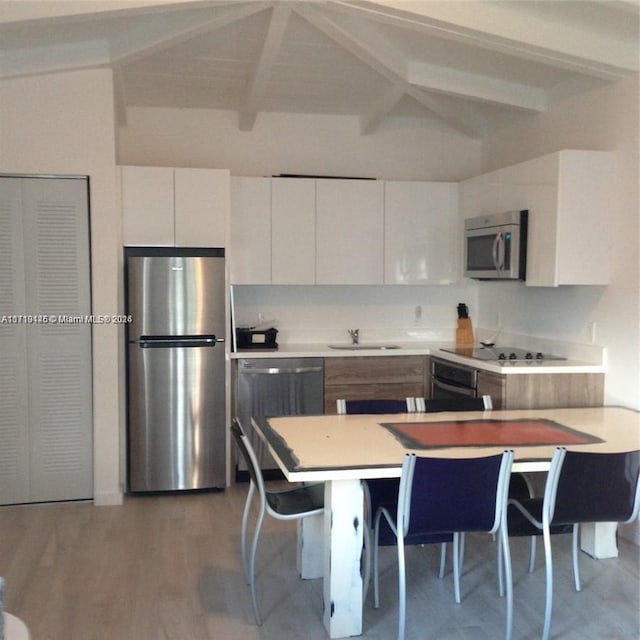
[175, 369]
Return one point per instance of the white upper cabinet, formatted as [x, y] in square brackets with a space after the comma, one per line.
[250, 242]
[147, 206]
[293, 231]
[201, 207]
[421, 233]
[569, 230]
[567, 194]
[350, 230]
[163, 206]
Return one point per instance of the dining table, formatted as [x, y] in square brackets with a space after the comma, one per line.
[344, 450]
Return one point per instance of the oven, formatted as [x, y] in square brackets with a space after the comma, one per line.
[450, 381]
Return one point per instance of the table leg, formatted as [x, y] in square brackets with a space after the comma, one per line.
[343, 522]
[311, 547]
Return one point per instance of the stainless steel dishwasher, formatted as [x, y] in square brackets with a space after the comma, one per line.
[268, 387]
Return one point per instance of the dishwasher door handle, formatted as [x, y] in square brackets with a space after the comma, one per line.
[279, 370]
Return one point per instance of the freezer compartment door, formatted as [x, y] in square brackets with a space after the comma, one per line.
[176, 426]
[175, 295]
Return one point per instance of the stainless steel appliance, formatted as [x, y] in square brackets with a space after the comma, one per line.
[450, 380]
[175, 369]
[267, 387]
[495, 246]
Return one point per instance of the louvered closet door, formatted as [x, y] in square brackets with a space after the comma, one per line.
[55, 248]
[14, 432]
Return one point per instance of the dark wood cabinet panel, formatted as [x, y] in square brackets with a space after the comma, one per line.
[376, 377]
[542, 391]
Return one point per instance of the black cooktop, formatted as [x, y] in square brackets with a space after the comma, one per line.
[499, 353]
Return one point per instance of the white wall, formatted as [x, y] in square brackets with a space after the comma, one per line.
[64, 124]
[292, 143]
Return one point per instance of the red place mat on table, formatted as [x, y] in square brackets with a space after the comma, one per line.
[486, 433]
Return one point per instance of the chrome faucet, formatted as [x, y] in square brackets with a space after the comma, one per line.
[355, 335]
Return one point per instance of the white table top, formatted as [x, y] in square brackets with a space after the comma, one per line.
[333, 447]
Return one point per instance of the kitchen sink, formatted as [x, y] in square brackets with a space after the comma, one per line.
[363, 347]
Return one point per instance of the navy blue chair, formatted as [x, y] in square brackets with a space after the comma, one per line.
[439, 495]
[380, 492]
[291, 504]
[519, 484]
[581, 487]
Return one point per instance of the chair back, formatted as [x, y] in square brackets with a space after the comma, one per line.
[245, 448]
[594, 487]
[482, 403]
[408, 405]
[464, 494]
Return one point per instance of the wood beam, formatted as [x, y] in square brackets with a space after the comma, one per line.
[383, 65]
[476, 86]
[508, 30]
[143, 41]
[257, 84]
[370, 122]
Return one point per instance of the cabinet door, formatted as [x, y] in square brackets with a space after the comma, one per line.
[59, 359]
[147, 206]
[350, 231]
[293, 231]
[372, 378]
[494, 385]
[50, 379]
[14, 432]
[201, 206]
[421, 233]
[250, 242]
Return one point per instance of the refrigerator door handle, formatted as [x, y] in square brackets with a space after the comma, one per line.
[150, 342]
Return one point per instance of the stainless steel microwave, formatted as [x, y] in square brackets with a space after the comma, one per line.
[495, 246]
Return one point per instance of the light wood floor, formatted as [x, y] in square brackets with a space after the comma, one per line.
[168, 568]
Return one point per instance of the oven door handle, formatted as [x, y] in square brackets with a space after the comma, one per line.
[454, 388]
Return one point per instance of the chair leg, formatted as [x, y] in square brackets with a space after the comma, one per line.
[500, 568]
[574, 553]
[508, 579]
[243, 533]
[549, 579]
[402, 596]
[443, 559]
[366, 569]
[252, 569]
[532, 554]
[456, 567]
[376, 586]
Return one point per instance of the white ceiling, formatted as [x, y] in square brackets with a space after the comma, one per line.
[468, 64]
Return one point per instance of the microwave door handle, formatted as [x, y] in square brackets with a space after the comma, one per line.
[497, 257]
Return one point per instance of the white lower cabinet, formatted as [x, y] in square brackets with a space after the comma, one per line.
[45, 362]
[422, 233]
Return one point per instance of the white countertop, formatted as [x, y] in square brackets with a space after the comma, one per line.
[317, 350]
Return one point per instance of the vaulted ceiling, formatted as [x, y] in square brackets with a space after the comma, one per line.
[468, 65]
